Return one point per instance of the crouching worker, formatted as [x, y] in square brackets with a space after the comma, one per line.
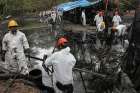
[14, 45]
[63, 62]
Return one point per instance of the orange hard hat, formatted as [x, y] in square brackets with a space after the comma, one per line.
[114, 29]
[62, 41]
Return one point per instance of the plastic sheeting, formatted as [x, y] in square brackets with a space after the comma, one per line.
[79, 3]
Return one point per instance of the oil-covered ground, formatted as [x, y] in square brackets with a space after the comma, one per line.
[90, 55]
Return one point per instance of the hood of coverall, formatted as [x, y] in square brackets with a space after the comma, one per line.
[65, 50]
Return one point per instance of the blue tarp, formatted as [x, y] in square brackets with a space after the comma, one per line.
[72, 5]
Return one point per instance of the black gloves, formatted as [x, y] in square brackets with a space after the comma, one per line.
[45, 57]
[27, 51]
[3, 58]
[3, 55]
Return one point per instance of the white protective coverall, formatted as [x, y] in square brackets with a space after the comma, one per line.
[83, 18]
[116, 20]
[63, 62]
[121, 30]
[98, 19]
[14, 46]
[53, 16]
[60, 14]
[46, 77]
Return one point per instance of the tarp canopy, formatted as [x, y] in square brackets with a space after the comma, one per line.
[78, 3]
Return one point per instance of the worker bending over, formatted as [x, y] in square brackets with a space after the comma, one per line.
[63, 62]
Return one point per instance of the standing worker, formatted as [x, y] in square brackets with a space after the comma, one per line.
[53, 16]
[116, 19]
[60, 15]
[98, 18]
[13, 45]
[83, 16]
[53, 22]
[63, 62]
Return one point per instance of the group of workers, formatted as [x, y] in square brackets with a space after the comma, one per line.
[15, 47]
[117, 29]
[50, 15]
[116, 32]
[99, 18]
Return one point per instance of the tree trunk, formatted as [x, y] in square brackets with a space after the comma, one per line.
[136, 41]
[117, 3]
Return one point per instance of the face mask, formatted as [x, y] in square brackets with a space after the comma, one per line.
[14, 31]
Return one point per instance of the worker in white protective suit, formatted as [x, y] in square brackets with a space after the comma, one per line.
[53, 16]
[13, 45]
[60, 15]
[116, 19]
[121, 33]
[83, 16]
[98, 18]
[47, 79]
[63, 62]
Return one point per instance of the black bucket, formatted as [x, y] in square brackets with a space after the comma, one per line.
[36, 77]
[35, 74]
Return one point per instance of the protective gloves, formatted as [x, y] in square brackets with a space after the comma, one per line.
[45, 57]
[3, 55]
[27, 51]
[25, 71]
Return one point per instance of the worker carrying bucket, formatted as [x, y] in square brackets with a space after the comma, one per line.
[63, 62]
[13, 46]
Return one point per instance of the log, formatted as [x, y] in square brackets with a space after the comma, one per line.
[93, 73]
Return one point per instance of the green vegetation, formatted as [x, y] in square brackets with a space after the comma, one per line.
[19, 7]
[127, 4]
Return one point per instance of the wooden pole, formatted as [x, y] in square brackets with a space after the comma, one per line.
[117, 3]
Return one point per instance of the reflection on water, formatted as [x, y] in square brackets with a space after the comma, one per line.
[42, 38]
[41, 42]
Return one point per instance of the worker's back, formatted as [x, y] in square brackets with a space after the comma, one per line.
[63, 64]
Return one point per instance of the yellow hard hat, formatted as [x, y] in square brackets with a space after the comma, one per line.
[12, 23]
[103, 25]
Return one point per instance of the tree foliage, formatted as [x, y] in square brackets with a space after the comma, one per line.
[127, 4]
[22, 6]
